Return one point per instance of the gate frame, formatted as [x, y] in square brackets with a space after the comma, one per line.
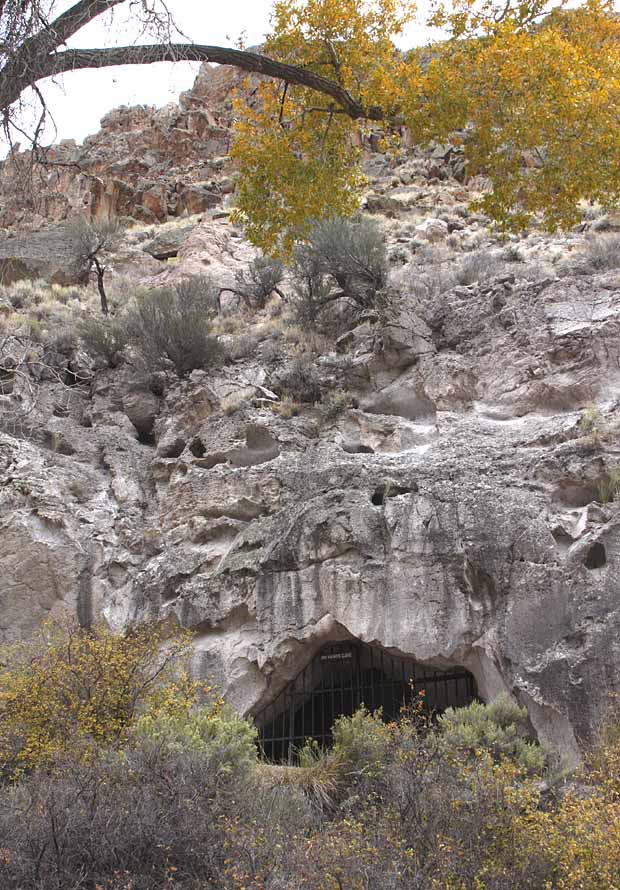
[276, 721]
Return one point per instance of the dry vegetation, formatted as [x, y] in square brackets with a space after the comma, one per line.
[286, 318]
[119, 772]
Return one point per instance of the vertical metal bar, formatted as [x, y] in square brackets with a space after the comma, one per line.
[372, 679]
[291, 727]
[303, 703]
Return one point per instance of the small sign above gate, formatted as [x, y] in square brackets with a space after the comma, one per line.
[336, 656]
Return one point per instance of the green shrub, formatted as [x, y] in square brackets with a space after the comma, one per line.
[243, 346]
[609, 486]
[478, 267]
[502, 728]
[334, 403]
[352, 251]
[262, 278]
[173, 324]
[343, 259]
[220, 736]
[104, 338]
[600, 253]
[299, 379]
[363, 741]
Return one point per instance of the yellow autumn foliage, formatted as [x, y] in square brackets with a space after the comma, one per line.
[70, 688]
[534, 87]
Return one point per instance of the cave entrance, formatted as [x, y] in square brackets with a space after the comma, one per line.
[341, 678]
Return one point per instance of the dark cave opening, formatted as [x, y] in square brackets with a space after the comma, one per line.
[340, 679]
[148, 439]
[382, 492]
[197, 447]
[597, 557]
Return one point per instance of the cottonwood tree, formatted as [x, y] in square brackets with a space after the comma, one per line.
[532, 86]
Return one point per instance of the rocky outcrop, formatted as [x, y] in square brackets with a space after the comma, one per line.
[145, 164]
[53, 254]
[461, 513]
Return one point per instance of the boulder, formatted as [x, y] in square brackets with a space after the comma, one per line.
[432, 230]
[53, 254]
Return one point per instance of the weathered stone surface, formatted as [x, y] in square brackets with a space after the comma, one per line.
[53, 254]
[165, 245]
[432, 230]
[464, 525]
[452, 513]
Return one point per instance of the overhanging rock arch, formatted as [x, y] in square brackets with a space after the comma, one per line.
[339, 679]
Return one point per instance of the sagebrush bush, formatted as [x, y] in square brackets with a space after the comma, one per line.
[501, 728]
[140, 819]
[478, 267]
[224, 739]
[353, 253]
[104, 338]
[334, 403]
[363, 741]
[173, 324]
[300, 381]
[260, 280]
[600, 253]
[343, 259]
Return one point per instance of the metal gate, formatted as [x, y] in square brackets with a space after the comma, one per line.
[341, 678]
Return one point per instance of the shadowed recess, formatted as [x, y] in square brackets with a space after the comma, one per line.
[340, 679]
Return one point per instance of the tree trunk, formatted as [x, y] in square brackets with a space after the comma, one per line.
[105, 309]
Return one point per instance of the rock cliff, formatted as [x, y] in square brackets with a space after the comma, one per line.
[459, 509]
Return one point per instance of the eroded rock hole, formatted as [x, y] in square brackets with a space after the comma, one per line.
[148, 439]
[174, 448]
[197, 447]
[356, 448]
[382, 492]
[340, 679]
[597, 557]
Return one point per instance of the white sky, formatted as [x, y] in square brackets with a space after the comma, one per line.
[79, 100]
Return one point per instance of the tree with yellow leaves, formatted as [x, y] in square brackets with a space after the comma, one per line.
[531, 88]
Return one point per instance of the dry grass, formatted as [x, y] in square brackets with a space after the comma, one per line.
[234, 402]
[321, 782]
[286, 408]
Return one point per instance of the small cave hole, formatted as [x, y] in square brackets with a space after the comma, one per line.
[56, 442]
[382, 492]
[174, 448]
[197, 447]
[148, 439]
[356, 448]
[561, 537]
[73, 378]
[597, 557]
[165, 254]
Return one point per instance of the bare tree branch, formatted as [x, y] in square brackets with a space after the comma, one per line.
[75, 59]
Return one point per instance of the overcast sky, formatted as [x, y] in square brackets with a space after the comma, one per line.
[79, 100]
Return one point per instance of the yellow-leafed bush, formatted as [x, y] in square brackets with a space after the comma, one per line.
[71, 688]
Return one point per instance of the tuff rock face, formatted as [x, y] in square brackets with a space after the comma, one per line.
[456, 516]
[460, 512]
